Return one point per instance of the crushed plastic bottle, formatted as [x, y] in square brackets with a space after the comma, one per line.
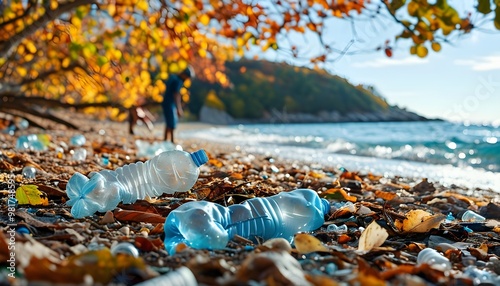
[33, 142]
[434, 259]
[206, 225]
[170, 172]
[181, 276]
[472, 217]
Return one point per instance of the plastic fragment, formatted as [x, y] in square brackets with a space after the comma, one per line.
[125, 248]
[472, 217]
[433, 258]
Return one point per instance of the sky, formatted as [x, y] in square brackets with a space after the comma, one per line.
[460, 83]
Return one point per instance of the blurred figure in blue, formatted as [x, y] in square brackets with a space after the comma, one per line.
[172, 102]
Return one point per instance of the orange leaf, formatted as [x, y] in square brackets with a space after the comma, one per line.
[126, 215]
[385, 195]
[339, 194]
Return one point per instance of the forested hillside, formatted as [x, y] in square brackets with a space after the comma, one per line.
[258, 87]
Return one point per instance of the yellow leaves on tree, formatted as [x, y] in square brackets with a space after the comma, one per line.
[119, 51]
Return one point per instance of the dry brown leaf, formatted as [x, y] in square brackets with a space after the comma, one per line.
[373, 236]
[368, 275]
[137, 216]
[306, 243]
[419, 221]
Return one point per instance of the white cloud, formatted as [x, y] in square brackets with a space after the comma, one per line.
[387, 62]
[481, 64]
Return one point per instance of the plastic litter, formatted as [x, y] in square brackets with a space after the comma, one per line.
[337, 229]
[482, 277]
[77, 140]
[434, 259]
[206, 225]
[29, 172]
[472, 217]
[125, 248]
[79, 154]
[33, 142]
[170, 172]
[181, 276]
[149, 150]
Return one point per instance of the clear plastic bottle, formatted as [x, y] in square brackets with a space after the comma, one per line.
[208, 225]
[170, 172]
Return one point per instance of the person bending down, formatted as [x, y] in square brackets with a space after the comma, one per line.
[172, 108]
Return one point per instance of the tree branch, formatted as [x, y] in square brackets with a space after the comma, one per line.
[6, 48]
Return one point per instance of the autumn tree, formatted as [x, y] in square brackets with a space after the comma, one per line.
[114, 54]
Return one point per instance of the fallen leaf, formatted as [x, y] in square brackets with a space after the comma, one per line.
[271, 267]
[137, 216]
[385, 195]
[338, 194]
[306, 243]
[30, 195]
[147, 245]
[101, 265]
[278, 244]
[373, 236]
[51, 191]
[419, 221]
[368, 275]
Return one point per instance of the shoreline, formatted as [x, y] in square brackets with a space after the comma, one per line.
[117, 134]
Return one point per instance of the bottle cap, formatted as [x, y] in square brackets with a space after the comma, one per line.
[199, 157]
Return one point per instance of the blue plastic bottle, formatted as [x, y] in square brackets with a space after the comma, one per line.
[170, 172]
[208, 225]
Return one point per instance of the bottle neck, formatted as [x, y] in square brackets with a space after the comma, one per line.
[199, 157]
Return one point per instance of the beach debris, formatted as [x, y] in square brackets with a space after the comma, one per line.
[30, 195]
[61, 249]
[471, 216]
[419, 221]
[306, 243]
[373, 236]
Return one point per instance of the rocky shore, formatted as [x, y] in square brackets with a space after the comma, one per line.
[215, 116]
[53, 248]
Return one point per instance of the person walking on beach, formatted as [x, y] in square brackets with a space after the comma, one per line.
[172, 108]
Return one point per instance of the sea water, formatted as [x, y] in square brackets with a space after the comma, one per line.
[451, 153]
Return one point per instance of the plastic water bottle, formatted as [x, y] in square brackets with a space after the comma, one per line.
[170, 172]
[208, 225]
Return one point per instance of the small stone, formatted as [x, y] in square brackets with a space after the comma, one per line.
[125, 230]
[107, 218]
